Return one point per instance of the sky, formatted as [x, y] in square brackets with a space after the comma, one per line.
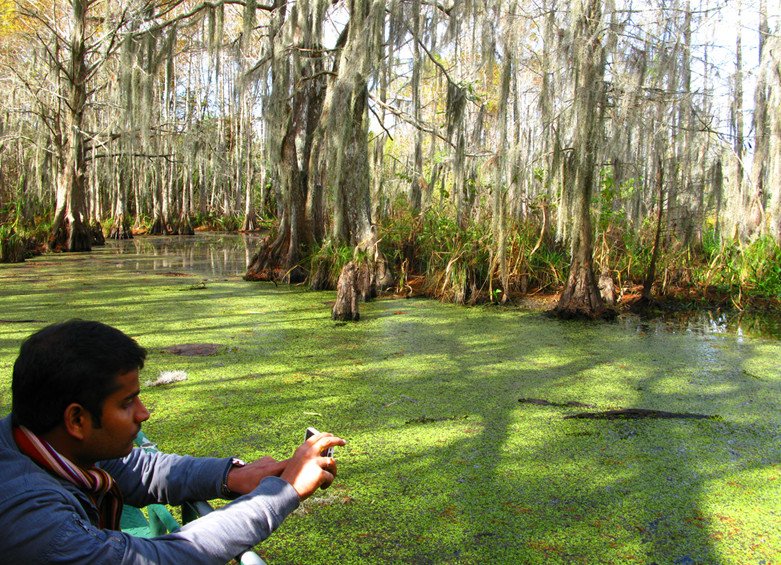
[737, 16]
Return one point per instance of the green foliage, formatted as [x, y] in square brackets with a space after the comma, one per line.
[11, 245]
[740, 270]
[144, 223]
[217, 222]
[711, 244]
[761, 266]
[230, 223]
[548, 268]
[454, 259]
[7, 232]
[110, 223]
[326, 262]
[16, 230]
[611, 211]
[11, 214]
[755, 267]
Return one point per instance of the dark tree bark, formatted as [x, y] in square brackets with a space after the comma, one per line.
[344, 158]
[295, 229]
[159, 226]
[581, 297]
[120, 229]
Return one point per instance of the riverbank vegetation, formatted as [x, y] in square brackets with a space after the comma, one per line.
[593, 149]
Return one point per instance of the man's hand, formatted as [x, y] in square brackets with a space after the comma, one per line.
[243, 480]
[307, 470]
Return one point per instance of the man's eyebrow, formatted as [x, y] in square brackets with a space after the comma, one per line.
[132, 395]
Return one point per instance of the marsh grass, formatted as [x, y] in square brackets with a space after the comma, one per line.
[443, 465]
[456, 261]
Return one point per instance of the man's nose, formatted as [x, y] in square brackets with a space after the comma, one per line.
[142, 415]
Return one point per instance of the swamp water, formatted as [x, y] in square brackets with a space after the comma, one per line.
[443, 464]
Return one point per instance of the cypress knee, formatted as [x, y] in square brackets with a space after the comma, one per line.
[346, 306]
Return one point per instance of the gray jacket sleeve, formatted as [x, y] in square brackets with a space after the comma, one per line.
[49, 530]
[48, 523]
[145, 478]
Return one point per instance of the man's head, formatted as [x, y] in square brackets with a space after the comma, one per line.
[76, 362]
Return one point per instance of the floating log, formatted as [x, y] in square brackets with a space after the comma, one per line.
[542, 402]
[193, 349]
[619, 414]
[635, 414]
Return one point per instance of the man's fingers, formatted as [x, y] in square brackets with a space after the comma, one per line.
[329, 472]
[326, 440]
[328, 478]
[309, 469]
[329, 465]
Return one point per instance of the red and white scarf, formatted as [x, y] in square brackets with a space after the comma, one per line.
[96, 483]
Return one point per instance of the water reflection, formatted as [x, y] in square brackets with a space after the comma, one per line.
[215, 255]
[703, 322]
[222, 255]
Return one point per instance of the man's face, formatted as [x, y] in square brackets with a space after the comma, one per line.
[120, 422]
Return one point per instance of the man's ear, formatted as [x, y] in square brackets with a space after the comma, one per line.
[76, 418]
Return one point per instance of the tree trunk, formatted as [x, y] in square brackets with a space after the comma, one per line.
[352, 213]
[70, 228]
[650, 275]
[415, 193]
[345, 127]
[580, 297]
[759, 164]
[244, 147]
[292, 147]
[740, 217]
[154, 180]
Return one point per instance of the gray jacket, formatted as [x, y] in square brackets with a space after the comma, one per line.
[44, 519]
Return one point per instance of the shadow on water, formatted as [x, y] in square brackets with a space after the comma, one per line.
[480, 478]
[526, 486]
[444, 465]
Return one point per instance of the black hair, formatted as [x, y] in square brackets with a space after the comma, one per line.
[73, 362]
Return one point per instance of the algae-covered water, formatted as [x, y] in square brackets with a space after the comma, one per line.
[443, 463]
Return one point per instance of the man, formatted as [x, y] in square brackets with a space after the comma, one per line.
[67, 464]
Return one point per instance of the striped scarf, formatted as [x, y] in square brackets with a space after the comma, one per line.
[96, 483]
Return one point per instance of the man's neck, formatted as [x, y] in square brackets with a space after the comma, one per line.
[67, 446]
